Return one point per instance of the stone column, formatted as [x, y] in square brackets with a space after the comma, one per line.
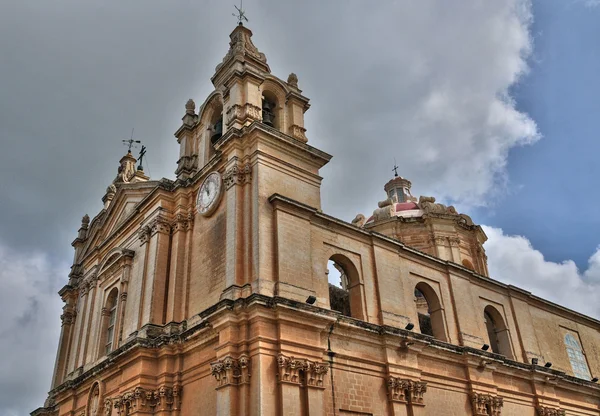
[68, 317]
[315, 372]
[238, 232]
[406, 396]
[233, 377]
[289, 381]
[298, 377]
[177, 275]
[157, 237]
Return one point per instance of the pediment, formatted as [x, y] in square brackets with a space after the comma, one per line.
[123, 207]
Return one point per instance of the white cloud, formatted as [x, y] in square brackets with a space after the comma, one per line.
[425, 82]
[29, 328]
[513, 260]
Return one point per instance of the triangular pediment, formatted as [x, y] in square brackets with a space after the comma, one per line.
[123, 207]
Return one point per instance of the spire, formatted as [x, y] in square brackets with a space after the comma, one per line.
[242, 51]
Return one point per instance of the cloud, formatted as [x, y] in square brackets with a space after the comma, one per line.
[513, 260]
[29, 328]
[424, 82]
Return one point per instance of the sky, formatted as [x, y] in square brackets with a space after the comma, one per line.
[490, 106]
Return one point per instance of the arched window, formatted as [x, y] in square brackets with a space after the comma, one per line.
[344, 287]
[576, 357]
[497, 332]
[270, 110]
[339, 295]
[110, 321]
[429, 312]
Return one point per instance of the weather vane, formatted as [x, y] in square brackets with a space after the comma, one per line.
[130, 143]
[395, 169]
[141, 156]
[241, 14]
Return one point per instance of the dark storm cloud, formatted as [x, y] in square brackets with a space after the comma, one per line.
[424, 82]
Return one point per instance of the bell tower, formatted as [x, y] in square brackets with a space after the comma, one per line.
[250, 132]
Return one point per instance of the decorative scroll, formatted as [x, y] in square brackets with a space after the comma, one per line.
[486, 404]
[301, 371]
[237, 175]
[231, 371]
[163, 399]
[549, 411]
[298, 132]
[406, 391]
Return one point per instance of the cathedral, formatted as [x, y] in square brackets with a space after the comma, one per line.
[228, 291]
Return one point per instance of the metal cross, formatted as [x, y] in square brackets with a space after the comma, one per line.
[395, 169]
[141, 156]
[130, 143]
[241, 14]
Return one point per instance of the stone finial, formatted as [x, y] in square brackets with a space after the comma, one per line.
[293, 80]
[190, 107]
[111, 189]
[85, 220]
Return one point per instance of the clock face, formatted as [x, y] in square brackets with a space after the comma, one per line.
[209, 194]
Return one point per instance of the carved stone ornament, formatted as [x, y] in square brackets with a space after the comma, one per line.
[486, 404]
[293, 80]
[454, 241]
[428, 205]
[406, 391]
[231, 371]
[298, 132]
[190, 107]
[144, 234]
[237, 175]
[549, 411]
[163, 399]
[301, 371]
[240, 45]
[183, 222]
[67, 318]
[243, 113]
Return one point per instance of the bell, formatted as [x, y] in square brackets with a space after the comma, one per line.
[217, 131]
[267, 113]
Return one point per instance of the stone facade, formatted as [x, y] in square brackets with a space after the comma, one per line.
[171, 311]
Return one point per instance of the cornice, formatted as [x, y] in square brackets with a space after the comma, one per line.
[152, 337]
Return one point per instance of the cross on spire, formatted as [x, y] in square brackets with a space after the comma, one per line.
[130, 143]
[141, 156]
[395, 169]
[241, 14]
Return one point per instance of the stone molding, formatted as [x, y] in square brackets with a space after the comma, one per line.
[406, 391]
[165, 398]
[549, 411]
[290, 368]
[486, 404]
[237, 175]
[231, 371]
[242, 113]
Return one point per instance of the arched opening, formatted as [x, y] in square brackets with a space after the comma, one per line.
[109, 322]
[429, 312]
[216, 124]
[94, 401]
[271, 116]
[468, 264]
[344, 287]
[497, 331]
